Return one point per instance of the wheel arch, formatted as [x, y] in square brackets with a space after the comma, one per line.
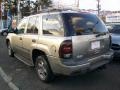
[7, 41]
[36, 53]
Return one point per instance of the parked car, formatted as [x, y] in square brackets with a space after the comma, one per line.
[4, 31]
[115, 34]
[61, 42]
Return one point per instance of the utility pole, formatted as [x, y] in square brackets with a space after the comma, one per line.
[9, 13]
[98, 7]
[77, 4]
[0, 15]
[0, 8]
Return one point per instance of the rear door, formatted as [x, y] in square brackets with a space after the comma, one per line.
[90, 37]
[30, 38]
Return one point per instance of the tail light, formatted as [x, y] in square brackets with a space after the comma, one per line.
[65, 50]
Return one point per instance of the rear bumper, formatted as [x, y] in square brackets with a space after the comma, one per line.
[91, 64]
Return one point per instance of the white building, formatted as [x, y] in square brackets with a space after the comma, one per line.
[113, 18]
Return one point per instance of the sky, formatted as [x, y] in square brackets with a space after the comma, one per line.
[113, 5]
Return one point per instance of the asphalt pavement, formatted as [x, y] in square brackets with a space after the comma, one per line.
[3, 84]
[24, 77]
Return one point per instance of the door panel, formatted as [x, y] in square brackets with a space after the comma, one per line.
[17, 44]
[29, 41]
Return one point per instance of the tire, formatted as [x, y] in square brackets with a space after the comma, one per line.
[10, 51]
[43, 69]
[4, 33]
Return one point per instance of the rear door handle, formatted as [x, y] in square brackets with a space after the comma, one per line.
[20, 38]
[33, 40]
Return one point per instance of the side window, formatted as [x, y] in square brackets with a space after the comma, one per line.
[37, 24]
[52, 25]
[21, 26]
[31, 27]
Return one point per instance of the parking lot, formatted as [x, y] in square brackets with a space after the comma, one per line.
[25, 78]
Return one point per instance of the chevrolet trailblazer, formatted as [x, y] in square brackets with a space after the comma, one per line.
[61, 42]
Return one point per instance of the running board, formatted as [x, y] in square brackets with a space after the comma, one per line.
[23, 60]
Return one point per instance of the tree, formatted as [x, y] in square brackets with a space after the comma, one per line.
[42, 4]
[45, 3]
[14, 7]
[28, 7]
[25, 8]
[10, 5]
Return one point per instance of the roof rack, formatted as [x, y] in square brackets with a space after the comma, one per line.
[56, 10]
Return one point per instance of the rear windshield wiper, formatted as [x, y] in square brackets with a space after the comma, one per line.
[101, 34]
[95, 24]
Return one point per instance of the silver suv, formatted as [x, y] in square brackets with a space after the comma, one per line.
[62, 42]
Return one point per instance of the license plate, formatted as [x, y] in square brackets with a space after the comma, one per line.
[95, 45]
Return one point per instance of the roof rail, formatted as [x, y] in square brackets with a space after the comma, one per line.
[56, 10]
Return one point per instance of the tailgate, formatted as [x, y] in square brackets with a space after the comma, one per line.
[89, 46]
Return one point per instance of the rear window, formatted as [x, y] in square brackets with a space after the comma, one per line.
[83, 24]
[114, 29]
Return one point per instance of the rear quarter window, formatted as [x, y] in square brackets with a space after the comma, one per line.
[52, 25]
